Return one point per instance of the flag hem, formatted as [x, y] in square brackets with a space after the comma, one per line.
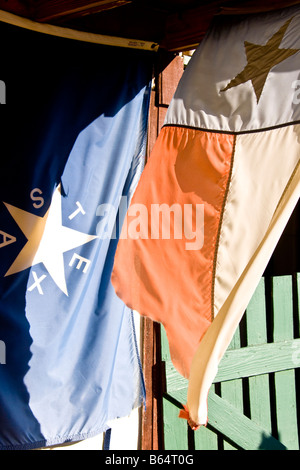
[42, 444]
[212, 316]
[231, 132]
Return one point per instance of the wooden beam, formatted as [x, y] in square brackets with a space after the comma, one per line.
[255, 6]
[241, 430]
[232, 423]
[46, 11]
[151, 415]
[245, 362]
[68, 33]
[17, 7]
[184, 30]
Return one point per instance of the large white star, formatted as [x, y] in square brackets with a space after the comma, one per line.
[47, 239]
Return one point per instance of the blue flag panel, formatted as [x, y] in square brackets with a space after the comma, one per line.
[73, 133]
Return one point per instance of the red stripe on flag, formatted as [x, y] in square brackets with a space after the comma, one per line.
[170, 280]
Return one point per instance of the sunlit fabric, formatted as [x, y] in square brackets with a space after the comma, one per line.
[73, 134]
[230, 144]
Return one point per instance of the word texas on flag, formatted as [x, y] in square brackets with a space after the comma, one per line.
[224, 176]
[72, 144]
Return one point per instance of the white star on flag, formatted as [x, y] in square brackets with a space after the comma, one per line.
[47, 241]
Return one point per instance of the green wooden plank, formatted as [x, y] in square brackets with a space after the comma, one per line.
[256, 316]
[250, 361]
[256, 360]
[285, 392]
[232, 390]
[237, 428]
[298, 302]
[259, 391]
[245, 362]
[296, 353]
[175, 429]
[241, 430]
[206, 439]
[165, 352]
[282, 292]
[175, 381]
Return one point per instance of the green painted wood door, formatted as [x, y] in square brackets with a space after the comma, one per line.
[253, 401]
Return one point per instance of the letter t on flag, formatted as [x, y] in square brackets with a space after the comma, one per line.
[230, 141]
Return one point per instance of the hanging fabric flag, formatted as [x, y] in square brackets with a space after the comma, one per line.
[217, 192]
[73, 133]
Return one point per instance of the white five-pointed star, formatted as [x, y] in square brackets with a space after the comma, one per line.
[47, 239]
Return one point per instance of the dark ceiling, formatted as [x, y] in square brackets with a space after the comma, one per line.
[175, 25]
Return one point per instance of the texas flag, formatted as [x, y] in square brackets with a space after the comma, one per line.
[230, 145]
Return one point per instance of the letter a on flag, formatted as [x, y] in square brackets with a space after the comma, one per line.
[230, 141]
